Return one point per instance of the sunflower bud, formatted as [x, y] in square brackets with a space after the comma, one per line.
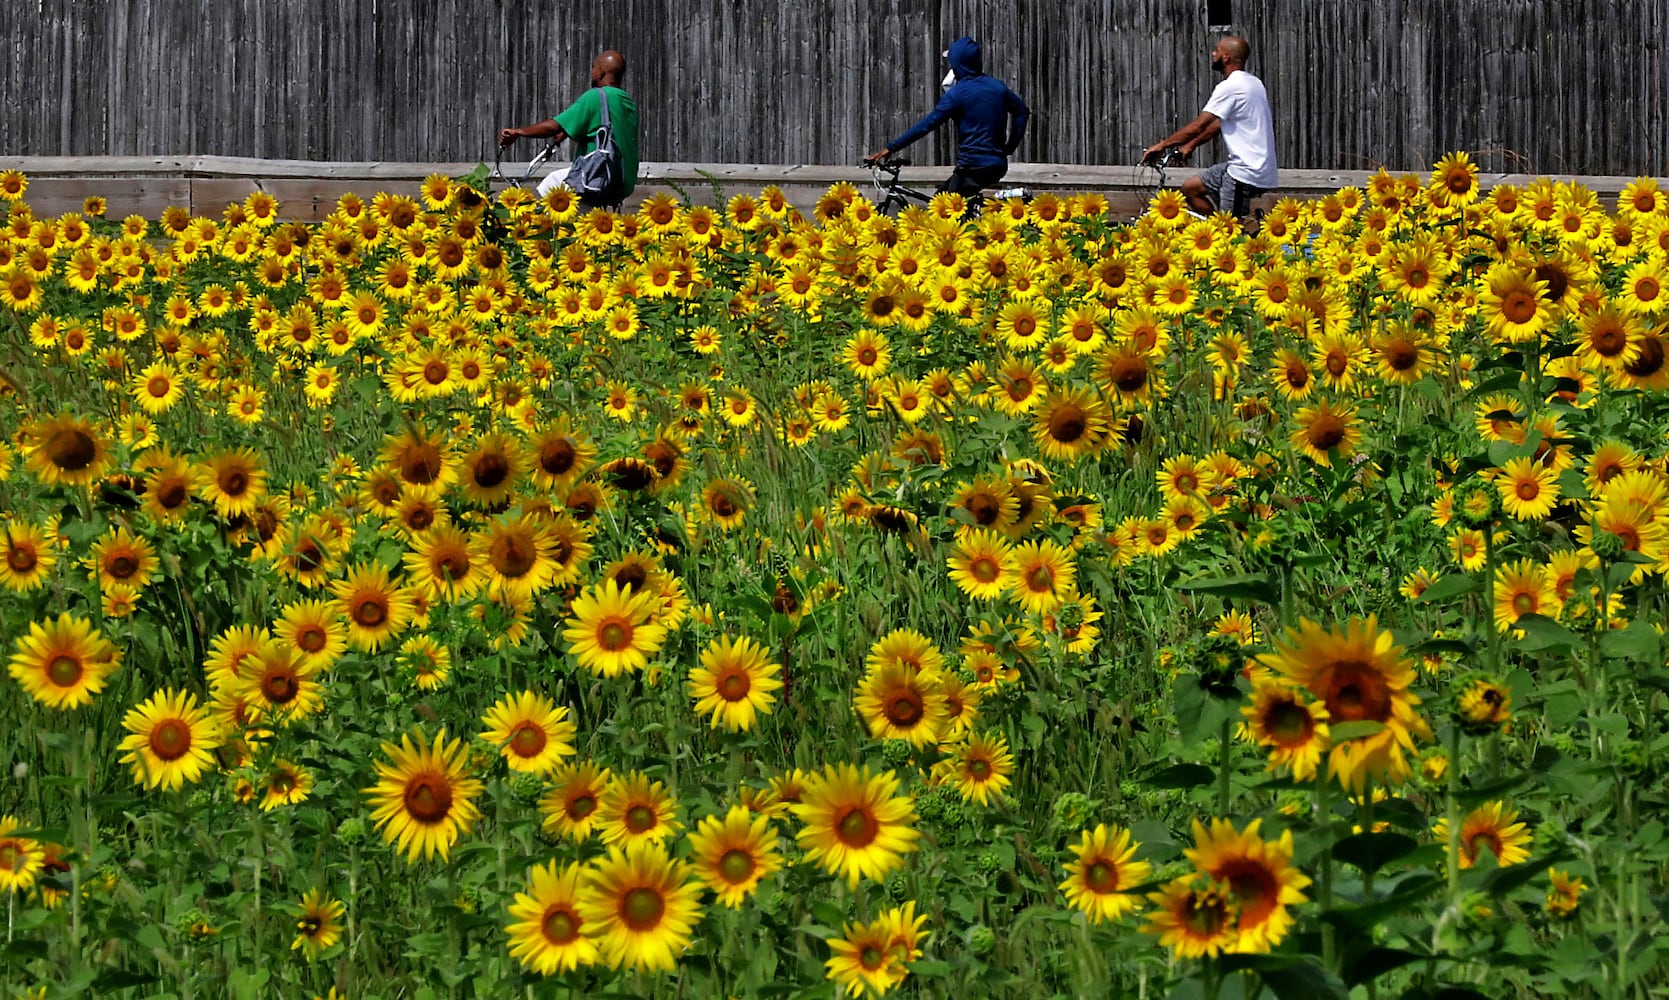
[1482, 704]
[1606, 546]
[351, 830]
[1072, 810]
[1477, 505]
[981, 939]
[527, 787]
[895, 752]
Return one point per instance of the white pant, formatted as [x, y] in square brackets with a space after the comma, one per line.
[553, 180]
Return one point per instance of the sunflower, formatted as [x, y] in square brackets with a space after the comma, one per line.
[233, 481]
[375, 608]
[867, 354]
[1523, 588]
[981, 564]
[63, 663]
[276, 681]
[532, 732]
[1043, 574]
[549, 933]
[1360, 674]
[171, 740]
[899, 702]
[978, 765]
[422, 461]
[725, 501]
[856, 824]
[907, 648]
[318, 923]
[1072, 424]
[640, 906]
[424, 798]
[489, 472]
[1099, 881]
[445, 564]
[1018, 387]
[609, 630]
[734, 683]
[1514, 304]
[862, 960]
[285, 784]
[158, 387]
[732, 854]
[1645, 289]
[29, 557]
[1564, 894]
[1491, 827]
[22, 859]
[120, 558]
[1291, 375]
[1292, 727]
[1454, 181]
[558, 455]
[570, 807]
[1529, 490]
[1323, 429]
[67, 451]
[1193, 917]
[1258, 875]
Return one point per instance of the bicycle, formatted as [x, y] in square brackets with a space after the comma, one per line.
[1171, 157]
[894, 197]
[543, 156]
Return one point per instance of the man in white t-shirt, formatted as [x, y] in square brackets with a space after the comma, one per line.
[1239, 112]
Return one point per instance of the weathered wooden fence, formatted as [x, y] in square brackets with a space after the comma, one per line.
[1572, 86]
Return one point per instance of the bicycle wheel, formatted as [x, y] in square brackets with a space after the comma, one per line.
[892, 205]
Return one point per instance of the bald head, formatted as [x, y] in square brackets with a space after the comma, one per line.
[1231, 52]
[608, 69]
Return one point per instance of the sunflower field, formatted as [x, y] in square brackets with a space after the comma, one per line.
[474, 596]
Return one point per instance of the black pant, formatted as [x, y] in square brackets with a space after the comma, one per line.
[968, 181]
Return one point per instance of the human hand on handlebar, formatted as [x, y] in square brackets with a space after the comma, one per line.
[876, 157]
[508, 136]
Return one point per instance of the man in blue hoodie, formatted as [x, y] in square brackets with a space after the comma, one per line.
[981, 106]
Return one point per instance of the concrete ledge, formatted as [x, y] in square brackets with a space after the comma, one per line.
[308, 190]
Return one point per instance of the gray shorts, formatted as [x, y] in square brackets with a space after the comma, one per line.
[1232, 196]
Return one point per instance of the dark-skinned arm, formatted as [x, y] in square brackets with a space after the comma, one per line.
[547, 129]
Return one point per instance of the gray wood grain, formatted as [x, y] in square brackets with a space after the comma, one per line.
[1569, 86]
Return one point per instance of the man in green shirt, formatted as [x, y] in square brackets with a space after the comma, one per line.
[584, 117]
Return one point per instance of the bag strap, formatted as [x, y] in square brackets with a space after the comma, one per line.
[602, 99]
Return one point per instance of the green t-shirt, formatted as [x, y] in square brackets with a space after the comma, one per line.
[585, 116]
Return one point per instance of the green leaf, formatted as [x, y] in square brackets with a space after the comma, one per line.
[1542, 632]
[1289, 976]
[930, 969]
[1344, 732]
[1180, 776]
[1407, 894]
[121, 979]
[1447, 586]
[1504, 880]
[828, 913]
[1370, 852]
[1375, 962]
[1639, 642]
[1246, 587]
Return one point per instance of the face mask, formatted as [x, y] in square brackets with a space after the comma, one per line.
[950, 78]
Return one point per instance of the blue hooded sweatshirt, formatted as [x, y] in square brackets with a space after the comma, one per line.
[980, 105]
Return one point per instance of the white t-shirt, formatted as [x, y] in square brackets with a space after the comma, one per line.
[1248, 127]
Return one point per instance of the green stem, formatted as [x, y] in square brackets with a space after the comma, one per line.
[1452, 860]
[1324, 814]
[1226, 767]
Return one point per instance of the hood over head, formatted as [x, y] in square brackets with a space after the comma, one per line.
[966, 58]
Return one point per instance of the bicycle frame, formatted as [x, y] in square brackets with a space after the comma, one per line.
[893, 197]
[1169, 158]
[543, 156]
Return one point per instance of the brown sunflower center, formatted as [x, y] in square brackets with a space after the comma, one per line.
[582, 806]
[979, 769]
[20, 559]
[856, 827]
[904, 708]
[233, 482]
[560, 926]
[428, 798]
[311, 638]
[121, 566]
[639, 818]
[1518, 306]
[1288, 722]
[985, 569]
[1326, 431]
[1101, 876]
[170, 739]
[71, 449]
[641, 908]
[279, 686]
[490, 470]
[614, 635]
[1068, 423]
[734, 686]
[371, 611]
[513, 554]
[421, 463]
[64, 670]
[528, 740]
[1357, 691]
[736, 866]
